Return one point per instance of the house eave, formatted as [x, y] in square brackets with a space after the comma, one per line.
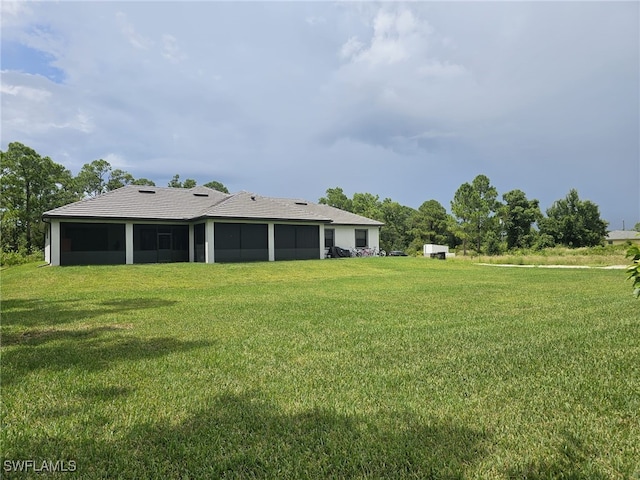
[93, 218]
[262, 219]
[48, 218]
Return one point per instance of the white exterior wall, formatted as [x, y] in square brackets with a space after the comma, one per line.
[374, 237]
[345, 236]
[47, 243]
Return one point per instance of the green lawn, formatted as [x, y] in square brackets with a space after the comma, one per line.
[352, 368]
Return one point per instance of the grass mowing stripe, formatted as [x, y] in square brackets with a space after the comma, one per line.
[373, 368]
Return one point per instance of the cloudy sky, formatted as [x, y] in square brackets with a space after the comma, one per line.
[403, 100]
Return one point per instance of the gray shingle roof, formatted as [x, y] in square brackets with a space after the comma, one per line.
[163, 203]
[623, 235]
[337, 216]
[142, 202]
[251, 206]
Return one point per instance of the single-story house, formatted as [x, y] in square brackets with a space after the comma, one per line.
[622, 237]
[141, 224]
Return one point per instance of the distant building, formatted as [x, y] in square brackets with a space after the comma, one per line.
[622, 237]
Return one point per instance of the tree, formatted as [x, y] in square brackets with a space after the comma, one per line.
[176, 183]
[487, 205]
[30, 185]
[473, 205]
[574, 223]
[518, 215]
[367, 205]
[397, 225]
[215, 185]
[118, 179]
[429, 224]
[337, 198]
[462, 208]
[93, 177]
[98, 177]
[144, 181]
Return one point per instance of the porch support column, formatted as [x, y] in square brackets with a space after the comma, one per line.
[54, 256]
[192, 255]
[322, 240]
[209, 249]
[271, 239]
[128, 242]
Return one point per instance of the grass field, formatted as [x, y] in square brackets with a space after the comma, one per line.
[352, 368]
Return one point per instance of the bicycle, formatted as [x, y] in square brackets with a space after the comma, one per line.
[368, 252]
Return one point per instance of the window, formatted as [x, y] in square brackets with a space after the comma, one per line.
[329, 238]
[361, 238]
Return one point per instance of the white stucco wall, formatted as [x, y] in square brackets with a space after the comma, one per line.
[345, 236]
[47, 243]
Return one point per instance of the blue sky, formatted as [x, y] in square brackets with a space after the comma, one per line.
[403, 100]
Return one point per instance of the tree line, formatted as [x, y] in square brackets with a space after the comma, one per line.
[479, 221]
[31, 184]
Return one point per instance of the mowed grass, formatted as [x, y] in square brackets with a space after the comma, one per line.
[352, 368]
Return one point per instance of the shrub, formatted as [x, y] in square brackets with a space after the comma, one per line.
[634, 269]
[20, 257]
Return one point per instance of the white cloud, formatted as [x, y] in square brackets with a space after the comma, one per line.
[315, 20]
[130, 33]
[84, 122]
[115, 160]
[397, 36]
[266, 90]
[435, 68]
[351, 48]
[12, 11]
[170, 49]
[34, 105]
[28, 94]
